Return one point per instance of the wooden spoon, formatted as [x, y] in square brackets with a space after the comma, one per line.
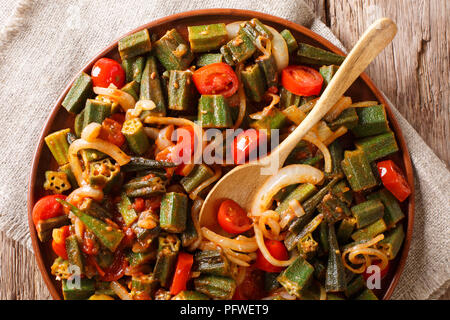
[241, 183]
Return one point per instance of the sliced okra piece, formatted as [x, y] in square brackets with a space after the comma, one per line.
[78, 124]
[392, 242]
[74, 290]
[333, 208]
[199, 174]
[337, 155]
[173, 212]
[208, 58]
[367, 294]
[215, 287]
[180, 90]
[292, 239]
[137, 139]
[207, 37]
[74, 254]
[327, 73]
[335, 278]
[214, 112]
[371, 121]
[104, 174]
[274, 119]
[301, 193]
[144, 283]
[226, 54]
[379, 146]
[166, 259]
[190, 295]
[151, 88]
[358, 171]
[270, 281]
[307, 247]
[313, 55]
[132, 88]
[58, 146]
[139, 258]
[367, 212]
[145, 186]
[78, 93]
[392, 211]
[288, 99]
[126, 210]
[356, 285]
[135, 44]
[141, 164]
[291, 43]
[56, 181]
[173, 51]
[345, 229]
[96, 111]
[343, 192]
[269, 69]
[255, 28]
[70, 176]
[241, 48]
[133, 68]
[45, 227]
[372, 230]
[252, 78]
[348, 118]
[212, 262]
[297, 276]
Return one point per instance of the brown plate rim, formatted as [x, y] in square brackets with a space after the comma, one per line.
[55, 292]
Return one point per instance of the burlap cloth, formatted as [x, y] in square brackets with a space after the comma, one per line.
[43, 44]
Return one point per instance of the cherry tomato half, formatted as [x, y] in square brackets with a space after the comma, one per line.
[216, 78]
[182, 272]
[393, 179]
[106, 71]
[232, 218]
[112, 132]
[277, 250]
[301, 80]
[117, 268]
[59, 241]
[47, 207]
[247, 142]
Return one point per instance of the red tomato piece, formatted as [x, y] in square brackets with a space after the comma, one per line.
[393, 179]
[216, 78]
[47, 207]
[301, 80]
[117, 268]
[252, 287]
[118, 117]
[182, 272]
[232, 218]
[139, 204]
[188, 145]
[247, 142]
[112, 131]
[106, 71]
[277, 250]
[59, 241]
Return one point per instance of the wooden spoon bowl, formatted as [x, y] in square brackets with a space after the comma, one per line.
[362, 89]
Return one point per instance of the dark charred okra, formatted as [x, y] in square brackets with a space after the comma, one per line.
[173, 212]
[78, 93]
[207, 37]
[173, 51]
[335, 278]
[215, 287]
[135, 44]
[166, 259]
[212, 262]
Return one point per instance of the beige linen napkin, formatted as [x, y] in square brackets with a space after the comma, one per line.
[43, 44]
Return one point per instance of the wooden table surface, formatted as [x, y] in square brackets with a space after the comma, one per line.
[413, 72]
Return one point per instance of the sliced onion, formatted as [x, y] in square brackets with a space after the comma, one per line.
[279, 49]
[336, 134]
[323, 148]
[125, 100]
[86, 191]
[120, 290]
[292, 174]
[152, 133]
[296, 207]
[342, 104]
[141, 105]
[164, 139]
[233, 29]
[244, 244]
[91, 131]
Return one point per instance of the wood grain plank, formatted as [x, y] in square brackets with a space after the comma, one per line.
[414, 71]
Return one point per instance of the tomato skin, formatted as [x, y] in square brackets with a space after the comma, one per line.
[301, 80]
[216, 78]
[245, 143]
[47, 207]
[393, 179]
[106, 71]
[112, 131]
[252, 287]
[277, 250]
[182, 272]
[139, 204]
[117, 269]
[232, 218]
[59, 245]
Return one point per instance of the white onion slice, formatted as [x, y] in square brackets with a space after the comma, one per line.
[91, 131]
[244, 244]
[125, 100]
[292, 174]
[279, 49]
[120, 290]
[233, 29]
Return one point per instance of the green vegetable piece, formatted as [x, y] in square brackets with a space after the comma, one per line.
[241, 48]
[151, 89]
[56, 181]
[372, 121]
[199, 174]
[333, 209]
[181, 90]
[173, 51]
[144, 186]
[335, 277]
[274, 119]
[358, 171]
[313, 55]
[126, 210]
[104, 258]
[288, 99]
[355, 286]
[323, 238]
[367, 294]
[348, 118]
[208, 58]
[190, 295]
[372, 230]
[135, 44]
[392, 242]
[58, 146]
[70, 176]
[134, 67]
[108, 235]
[144, 283]
[345, 229]
[292, 239]
[269, 69]
[104, 174]
[367, 212]
[227, 56]
[207, 37]
[212, 262]
[270, 281]
[166, 259]
[80, 91]
[139, 258]
[173, 213]
[214, 112]
[337, 155]
[379, 146]
[343, 192]
[74, 253]
[74, 290]
[96, 111]
[78, 124]
[133, 130]
[141, 164]
[292, 44]
[252, 78]
[253, 29]
[45, 227]
[189, 235]
[392, 211]
[215, 287]
[327, 73]
[297, 276]
[301, 193]
[132, 88]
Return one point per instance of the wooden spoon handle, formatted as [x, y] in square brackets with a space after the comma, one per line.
[372, 42]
